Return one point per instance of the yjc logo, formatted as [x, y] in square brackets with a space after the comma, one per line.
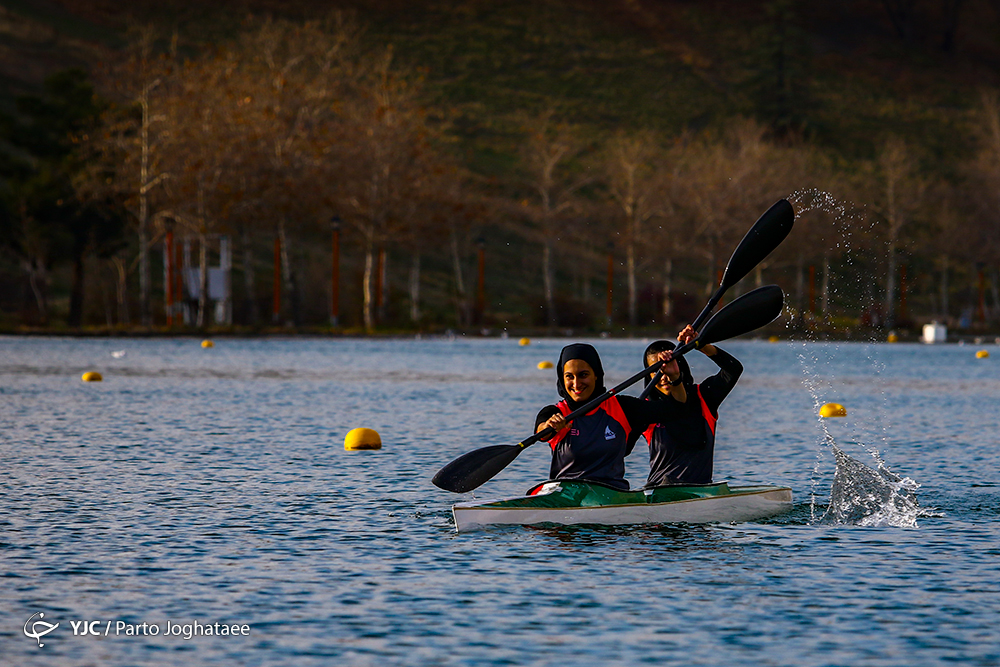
[36, 633]
[86, 628]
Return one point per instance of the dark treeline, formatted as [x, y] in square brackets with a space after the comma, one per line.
[297, 144]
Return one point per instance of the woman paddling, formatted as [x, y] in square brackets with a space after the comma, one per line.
[682, 446]
[593, 447]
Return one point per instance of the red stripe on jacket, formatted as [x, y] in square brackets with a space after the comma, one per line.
[705, 412]
[611, 406]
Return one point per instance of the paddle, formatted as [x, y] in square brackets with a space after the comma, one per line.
[750, 311]
[652, 384]
[765, 235]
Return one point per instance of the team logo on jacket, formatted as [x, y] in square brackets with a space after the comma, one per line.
[608, 433]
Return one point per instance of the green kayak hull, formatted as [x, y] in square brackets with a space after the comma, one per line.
[568, 502]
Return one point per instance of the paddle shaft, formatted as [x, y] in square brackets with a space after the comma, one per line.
[652, 384]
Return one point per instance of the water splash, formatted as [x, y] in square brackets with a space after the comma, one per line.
[864, 496]
[859, 494]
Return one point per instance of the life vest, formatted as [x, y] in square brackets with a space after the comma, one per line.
[593, 446]
[683, 450]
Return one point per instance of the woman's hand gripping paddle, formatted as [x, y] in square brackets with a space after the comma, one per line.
[751, 311]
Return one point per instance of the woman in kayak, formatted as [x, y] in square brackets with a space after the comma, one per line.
[682, 447]
[593, 447]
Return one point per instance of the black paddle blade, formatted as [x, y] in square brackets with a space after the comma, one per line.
[765, 235]
[751, 311]
[471, 470]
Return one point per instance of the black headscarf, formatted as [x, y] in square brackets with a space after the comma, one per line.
[662, 346]
[584, 352]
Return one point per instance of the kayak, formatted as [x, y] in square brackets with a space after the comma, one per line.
[568, 502]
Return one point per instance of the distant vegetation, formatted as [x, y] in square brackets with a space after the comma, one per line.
[481, 165]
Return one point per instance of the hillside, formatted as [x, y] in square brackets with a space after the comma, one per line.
[838, 76]
[669, 65]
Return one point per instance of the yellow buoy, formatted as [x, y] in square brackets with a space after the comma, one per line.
[833, 410]
[524, 341]
[893, 338]
[773, 339]
[92, 376]
[545, 364]
[982, 354]
[362, 438]
[207, 343]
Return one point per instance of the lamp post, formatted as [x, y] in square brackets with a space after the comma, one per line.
[335, 280]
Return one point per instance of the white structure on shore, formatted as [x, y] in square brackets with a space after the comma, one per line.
[935, 333]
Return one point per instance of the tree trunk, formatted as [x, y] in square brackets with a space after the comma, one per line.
[415, 287]
[462, 306]
[252, 314]
[825, 288]
[713, 263]
[38, 280]
[800, 285]
[549, 282]
[121, 290]
[76, 295]
[633, 309]
[995, 293]
[668, 286]
[144, 314]
[383, 285]
[890, 288]
[108, 318]
[202, 279]
[367, 288]
[288, 282]
[944, 288]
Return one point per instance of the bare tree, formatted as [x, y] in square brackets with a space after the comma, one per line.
[635, 185]
[550, 148]
[135, 140]
[901, 190]
[384, 163]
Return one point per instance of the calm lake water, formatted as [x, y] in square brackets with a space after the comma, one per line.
[212, 486]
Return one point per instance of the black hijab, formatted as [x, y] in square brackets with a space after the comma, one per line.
[583, 352]
[662, 346]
